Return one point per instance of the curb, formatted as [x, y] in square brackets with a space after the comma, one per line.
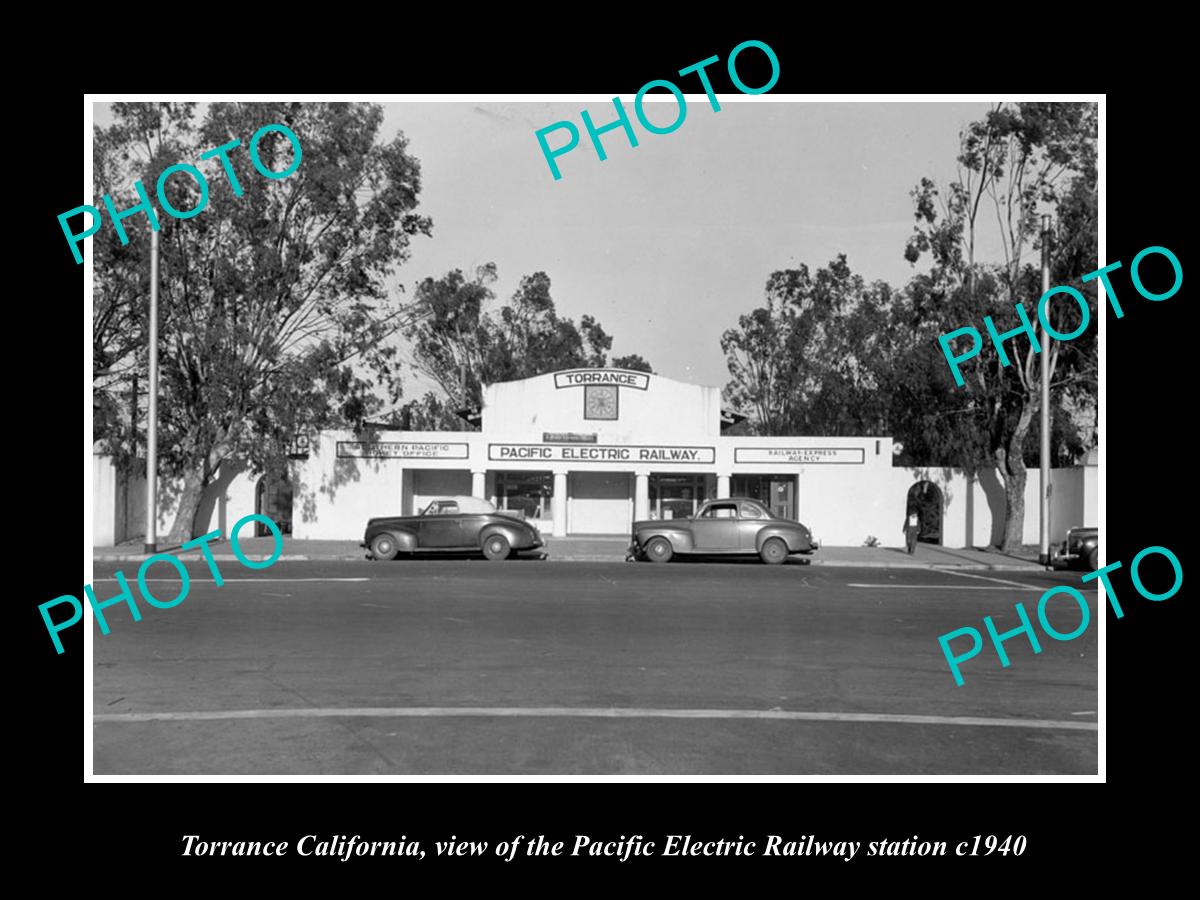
[217, 557]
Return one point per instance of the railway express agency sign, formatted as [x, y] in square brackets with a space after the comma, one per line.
[586, 453]
[837, 456]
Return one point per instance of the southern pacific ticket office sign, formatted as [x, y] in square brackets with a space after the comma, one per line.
[401, 450]
[599, 453]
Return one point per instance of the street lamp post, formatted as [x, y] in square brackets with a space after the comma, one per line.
[151, 545]
[1044, 452]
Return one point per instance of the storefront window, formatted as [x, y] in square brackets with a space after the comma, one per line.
[528, 492]
[675, 496]
[776, 492]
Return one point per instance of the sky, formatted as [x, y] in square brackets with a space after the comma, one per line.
[667, 243]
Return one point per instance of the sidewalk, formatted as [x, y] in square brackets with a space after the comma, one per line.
[602, 549]
[928, 556]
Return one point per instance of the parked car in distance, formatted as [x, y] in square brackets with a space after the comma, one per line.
[452, 525]
[1081, 550]
[727, 526]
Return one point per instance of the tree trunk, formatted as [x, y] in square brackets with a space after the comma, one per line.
[183, 529]
[1013, 468]
[1014, 509]
[195, 483]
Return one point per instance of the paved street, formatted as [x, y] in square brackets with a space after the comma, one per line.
[459, 666]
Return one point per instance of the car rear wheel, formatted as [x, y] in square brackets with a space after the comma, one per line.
[774, 551]
[659, 550]
[496, 547]
[1093, 560]
[384, 547]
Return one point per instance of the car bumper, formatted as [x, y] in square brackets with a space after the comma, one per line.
[1063, 560]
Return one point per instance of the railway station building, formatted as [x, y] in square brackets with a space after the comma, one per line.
[585, 452]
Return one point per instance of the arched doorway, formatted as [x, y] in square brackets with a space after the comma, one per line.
[925, 498]
[273, 499]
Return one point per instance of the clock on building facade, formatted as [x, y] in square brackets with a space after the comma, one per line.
[600, 401]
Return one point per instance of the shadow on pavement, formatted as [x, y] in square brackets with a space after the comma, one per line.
[475, 555]
[748, 560]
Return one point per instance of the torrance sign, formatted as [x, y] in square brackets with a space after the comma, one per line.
[579, 377]
[589, 453]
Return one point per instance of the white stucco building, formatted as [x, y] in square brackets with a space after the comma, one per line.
[585, 452]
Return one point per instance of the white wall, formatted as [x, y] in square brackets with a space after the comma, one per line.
[534, 405]
[843, 505]
[119, 510]
[333, 497]
[119, 504]
[1091, 496]
[237, 491]
[104, 502]
[973, 514]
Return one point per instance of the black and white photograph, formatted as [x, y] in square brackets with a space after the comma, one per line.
[693, 433]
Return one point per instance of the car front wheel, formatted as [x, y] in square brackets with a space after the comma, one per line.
[659, 550]
[1093, 560]
[384, 547]
[496, 547]
[774, 551]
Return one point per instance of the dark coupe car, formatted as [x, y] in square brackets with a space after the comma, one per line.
[1081, 550]
[734, 525]
[452, 525]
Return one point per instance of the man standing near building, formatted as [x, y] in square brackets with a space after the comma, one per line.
[912, 528]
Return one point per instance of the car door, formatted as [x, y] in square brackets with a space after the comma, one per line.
[716, 528]
[442, 529]
[751, 519]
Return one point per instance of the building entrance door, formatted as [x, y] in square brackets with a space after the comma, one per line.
[273, 499]
[783, 498]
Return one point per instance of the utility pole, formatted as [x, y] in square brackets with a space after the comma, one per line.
[1044, 452]
[152, 413]
[133, 414]
[133, 454]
